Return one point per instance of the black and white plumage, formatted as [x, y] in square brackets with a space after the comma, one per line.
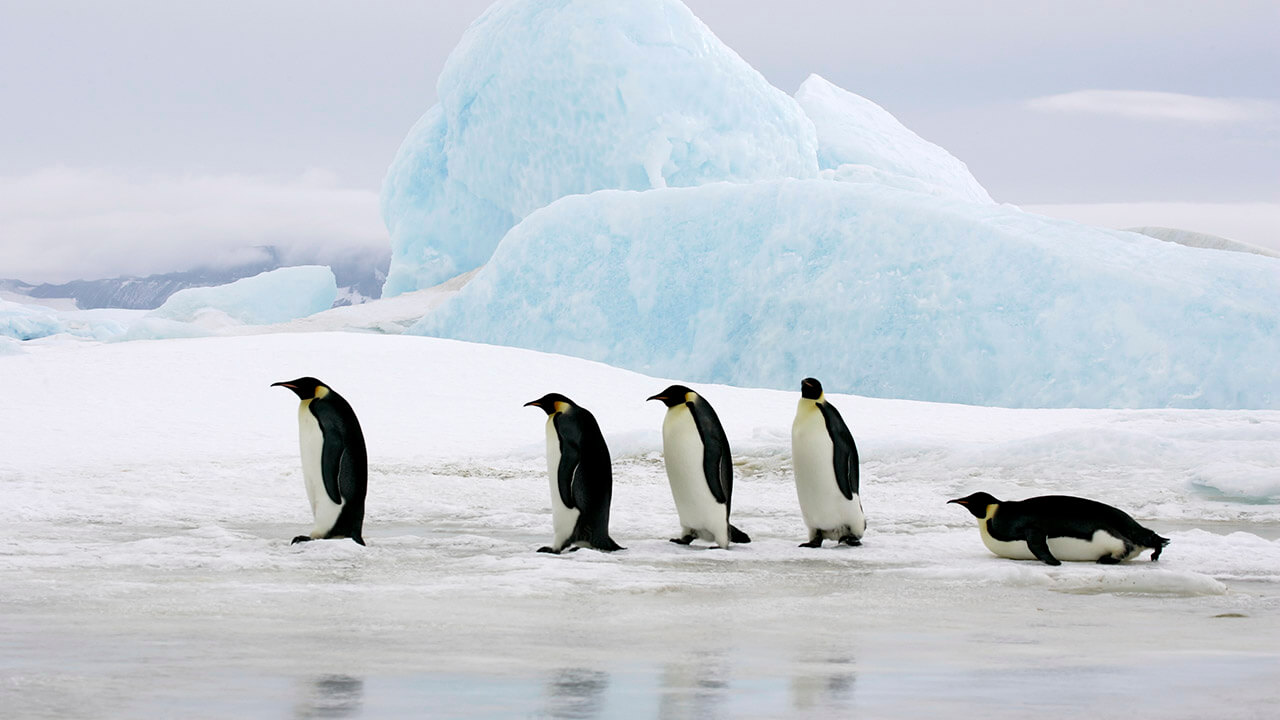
[825, 460]
[699, 466]
[1053, 528]
[581, 475]
[334, 461]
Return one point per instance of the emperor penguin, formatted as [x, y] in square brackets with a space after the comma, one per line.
[334, 463]
[1053, 528]
[825, 460]
[699, 468]
[581, 477]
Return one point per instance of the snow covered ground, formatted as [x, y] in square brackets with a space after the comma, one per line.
[151, 489]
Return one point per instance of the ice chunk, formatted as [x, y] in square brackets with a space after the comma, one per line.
[852, 130]
[27, 322]
[547, 98]
[269, 297]
[879, 292]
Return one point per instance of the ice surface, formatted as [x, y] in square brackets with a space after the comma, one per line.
[1203, 240]
[880, 292]
[159, 546]
[547, 98]
[270, 297]
[853, 131]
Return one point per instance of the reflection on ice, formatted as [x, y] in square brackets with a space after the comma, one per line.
[827, 687]
[329, 696]
[694, 688]
[576, 693]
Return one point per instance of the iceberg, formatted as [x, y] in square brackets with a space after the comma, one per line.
[880, 292]
[547, 98]
[270, 297]
[860, 141]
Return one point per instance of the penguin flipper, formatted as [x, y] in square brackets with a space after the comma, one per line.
[717, 464]
[1038, 543]
[569, 470]
[844, 451]
[737, 536]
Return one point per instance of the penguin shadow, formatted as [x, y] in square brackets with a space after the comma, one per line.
[695, 690]
[827, 689]
[329, 696]
[576, 693]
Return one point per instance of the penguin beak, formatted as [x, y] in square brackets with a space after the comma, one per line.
[533, 403]
[959, 501]
[284, 384]
[657, 397]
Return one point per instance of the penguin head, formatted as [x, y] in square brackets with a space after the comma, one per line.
[673, 396]
[976, 503]
[810, 389]
[306, 388]
[551, 403]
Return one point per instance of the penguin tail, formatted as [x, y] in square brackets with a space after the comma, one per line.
[737, 536]
[607, 545]
[1156, 543]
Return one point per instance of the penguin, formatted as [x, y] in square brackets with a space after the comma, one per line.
[334, 461]
[699, 468]
[825, 460]
[581, 477]
[1053, 528]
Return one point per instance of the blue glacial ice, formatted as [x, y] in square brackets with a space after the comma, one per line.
[270, 297]
[547, 98]
[860, 141]
[880, 292]
[27, 322]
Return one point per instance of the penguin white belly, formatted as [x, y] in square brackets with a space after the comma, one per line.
[563, 518]
[822, 504]
[682, 453]
[311, 440]
[1067, 549]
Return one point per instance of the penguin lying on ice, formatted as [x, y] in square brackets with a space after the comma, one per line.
[581, 477]
[1053, 528]
[334, 462]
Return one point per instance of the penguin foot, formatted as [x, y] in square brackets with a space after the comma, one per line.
[814, 543]
[683, 540]
[301, 538]
[851, 541]
[1108, 560]
[548, 549]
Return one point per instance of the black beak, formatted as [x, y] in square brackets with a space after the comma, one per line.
[663, 398]
[533, 403]
[959, 501]
[284, 384]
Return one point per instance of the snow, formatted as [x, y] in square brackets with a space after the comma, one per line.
[881, 292]
[270, 297]
[855, 132]
[547, 98]
[159, 539]
[1202, 240]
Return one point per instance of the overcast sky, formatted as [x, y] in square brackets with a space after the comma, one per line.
[121, 117]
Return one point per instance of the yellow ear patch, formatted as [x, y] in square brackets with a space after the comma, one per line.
[321, 391]
[562, 406]
[690, 396]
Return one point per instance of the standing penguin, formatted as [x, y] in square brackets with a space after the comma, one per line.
[334, 462]
[581, 477]
[826, 468]
[1053, 528]
[699, 468]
